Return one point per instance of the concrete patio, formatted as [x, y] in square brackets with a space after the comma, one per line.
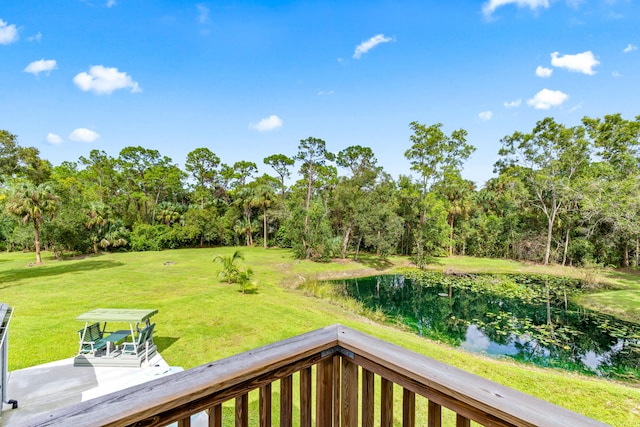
[43, 388]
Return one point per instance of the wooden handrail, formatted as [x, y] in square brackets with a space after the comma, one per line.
[336, 353]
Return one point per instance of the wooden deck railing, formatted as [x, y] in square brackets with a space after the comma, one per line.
[345, 364]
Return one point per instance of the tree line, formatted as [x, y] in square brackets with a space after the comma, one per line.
[561, 194]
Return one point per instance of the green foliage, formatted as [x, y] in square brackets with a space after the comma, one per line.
[20, 239]
[232, 273]
[146, 237]
[245, 280]
[33, 204]
[311, 234]
[230, 270]
[552, 201]
[198, 319]
[581, 251]
[67, 231]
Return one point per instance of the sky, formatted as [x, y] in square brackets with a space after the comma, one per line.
[247, 79]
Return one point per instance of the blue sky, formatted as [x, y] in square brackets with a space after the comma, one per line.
[251, 79]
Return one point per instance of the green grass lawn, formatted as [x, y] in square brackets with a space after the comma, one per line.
[201, 318]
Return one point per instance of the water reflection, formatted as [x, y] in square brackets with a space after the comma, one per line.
[556, 333]
[477, 342]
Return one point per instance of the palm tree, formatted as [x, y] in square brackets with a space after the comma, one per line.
[229, 270]
[244, 280]
[33, 203]
[265, 194]
[115, 236]
[97, 221]
[457, 192]
[168, 213]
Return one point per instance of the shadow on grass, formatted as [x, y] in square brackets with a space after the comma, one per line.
[9, 278]
[625, 278]
[376, 262]
[164, 343]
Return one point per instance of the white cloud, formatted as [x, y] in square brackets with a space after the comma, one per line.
[267, 124]
[367, 45]
[630, 48]
[111, 3]
[575, 108]
[35, 38]
[52, 138]
[325, 92]
[513, 104]
[489, 7]
[543, 71]
[547, 98]
[575, 3]
[203, 13]
[102, 80]
[485, 116]
[580, 62]
[616, 74]
[43, 65]
[8, 33]
[83, 135]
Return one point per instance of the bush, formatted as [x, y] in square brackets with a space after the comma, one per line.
[580, 251]
[145, 237]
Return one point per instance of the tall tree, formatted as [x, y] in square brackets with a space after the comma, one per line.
[148, 175]
[313, 154]
[100, 170]
[549, 159]
[281, 164]
[165, 180]
[32, 203]
[9, 155]
[32, 167]
[432, 152]
[617, 142]
[264, 195]
[243, 171]
[457, 192]
[202, 164]
[351, 192]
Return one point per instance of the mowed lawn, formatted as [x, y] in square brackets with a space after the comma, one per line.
[202, 318]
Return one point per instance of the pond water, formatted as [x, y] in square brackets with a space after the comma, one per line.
[547, 331]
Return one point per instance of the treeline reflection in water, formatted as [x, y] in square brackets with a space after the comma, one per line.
[544, 328]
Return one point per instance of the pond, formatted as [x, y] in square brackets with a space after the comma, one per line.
[528, 318]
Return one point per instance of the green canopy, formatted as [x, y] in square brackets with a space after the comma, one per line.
[116, 315]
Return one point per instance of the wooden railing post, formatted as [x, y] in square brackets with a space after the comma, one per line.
[265, 406]
[324, 393]
[336, 390]
[242, 411]
[434, 415]
[349, 409]
[462, 421]
[305, 397]
[368, 394]
[408, 408]
[185, 422]
[286, 401]
[215, 416]
[386, 403]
